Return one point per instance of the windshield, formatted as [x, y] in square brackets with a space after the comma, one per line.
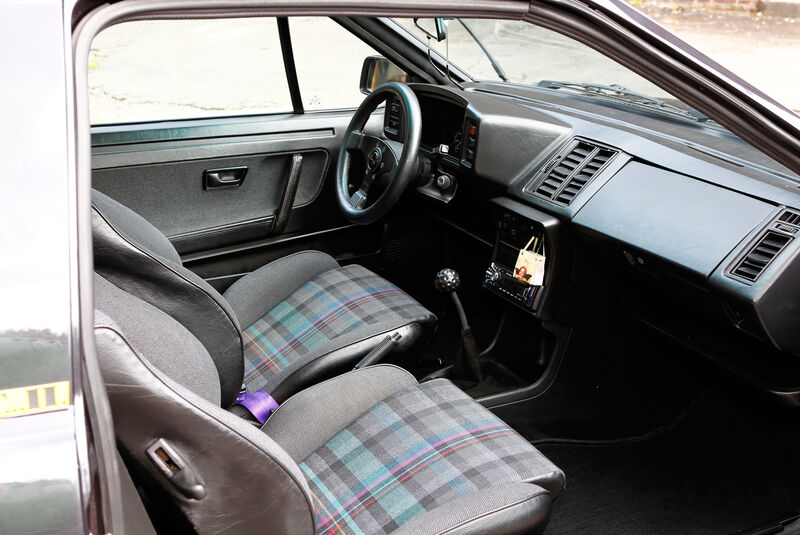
[521, 53]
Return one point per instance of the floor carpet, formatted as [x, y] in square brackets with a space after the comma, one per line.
[724, 468]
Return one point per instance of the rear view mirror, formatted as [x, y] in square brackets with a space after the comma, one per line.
[435, 28]
[378, 70]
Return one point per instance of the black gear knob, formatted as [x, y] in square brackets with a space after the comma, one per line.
[447, 280]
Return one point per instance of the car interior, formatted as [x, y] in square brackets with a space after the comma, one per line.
[465, 306]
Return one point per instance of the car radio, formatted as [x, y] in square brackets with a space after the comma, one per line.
[500, 279]
[513, 234]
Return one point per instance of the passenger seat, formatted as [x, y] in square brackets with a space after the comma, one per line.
[371, 451]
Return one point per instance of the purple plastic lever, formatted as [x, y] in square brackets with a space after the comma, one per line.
[259, 403]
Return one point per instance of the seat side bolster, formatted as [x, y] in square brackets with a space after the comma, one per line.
[256, 293]
[243, 470]
[138, 230]
[310, 418]
[501, 510]
[554, 482]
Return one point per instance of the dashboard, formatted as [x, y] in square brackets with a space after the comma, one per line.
[704, 227]
[443, 123]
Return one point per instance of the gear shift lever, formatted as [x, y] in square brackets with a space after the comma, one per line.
[466, 363]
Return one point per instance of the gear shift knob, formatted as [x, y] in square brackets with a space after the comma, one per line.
[467, 363]
[447, 280]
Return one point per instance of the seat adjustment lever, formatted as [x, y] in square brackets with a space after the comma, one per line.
[177, 470]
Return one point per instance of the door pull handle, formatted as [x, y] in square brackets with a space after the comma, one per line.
[289, 192]
[229, 177]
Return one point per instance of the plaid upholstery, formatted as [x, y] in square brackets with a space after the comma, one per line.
[301, 327]
[411, 453]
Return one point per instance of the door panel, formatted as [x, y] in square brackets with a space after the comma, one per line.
[172, 196]
[157, 170]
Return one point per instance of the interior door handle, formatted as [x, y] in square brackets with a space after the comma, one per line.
[229, 177]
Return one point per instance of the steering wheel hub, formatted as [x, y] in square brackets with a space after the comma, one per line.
[374, 159]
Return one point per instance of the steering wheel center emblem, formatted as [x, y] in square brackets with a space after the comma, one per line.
[374, 158]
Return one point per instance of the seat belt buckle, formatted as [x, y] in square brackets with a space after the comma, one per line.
[259, 404]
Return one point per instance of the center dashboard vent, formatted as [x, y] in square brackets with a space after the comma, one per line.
[569, 172]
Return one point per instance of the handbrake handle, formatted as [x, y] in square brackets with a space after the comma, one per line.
[386, 346]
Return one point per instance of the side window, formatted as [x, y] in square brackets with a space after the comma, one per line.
[160, 70]
[329, 60]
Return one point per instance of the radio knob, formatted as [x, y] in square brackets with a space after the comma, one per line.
[492, 275]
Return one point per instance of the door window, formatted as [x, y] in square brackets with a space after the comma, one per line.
[161, 70]
[329, 60]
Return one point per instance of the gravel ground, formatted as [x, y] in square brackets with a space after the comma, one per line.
[175, 69]
[761, 49]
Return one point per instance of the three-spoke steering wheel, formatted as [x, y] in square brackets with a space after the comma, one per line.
[384, 160]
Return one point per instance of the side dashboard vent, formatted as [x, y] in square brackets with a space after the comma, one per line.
[567, 175]
[760, 256]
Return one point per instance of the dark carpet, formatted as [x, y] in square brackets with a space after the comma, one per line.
[726, 467]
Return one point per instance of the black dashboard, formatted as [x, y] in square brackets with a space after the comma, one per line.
[447, 125]
[703, 223]
[443, 123]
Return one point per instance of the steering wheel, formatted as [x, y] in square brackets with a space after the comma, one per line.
[389, 162]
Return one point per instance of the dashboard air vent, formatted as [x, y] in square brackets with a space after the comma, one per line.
[761, 255]
[582, 177]
[571, 172]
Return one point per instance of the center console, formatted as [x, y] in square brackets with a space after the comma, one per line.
[513, 233]
[518, 225]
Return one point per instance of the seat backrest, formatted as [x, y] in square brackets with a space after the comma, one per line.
[136, 257]
[163, 385]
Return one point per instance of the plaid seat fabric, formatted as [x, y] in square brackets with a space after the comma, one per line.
[411, 453]
[302, 327]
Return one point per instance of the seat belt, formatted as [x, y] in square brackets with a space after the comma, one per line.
[259, 404]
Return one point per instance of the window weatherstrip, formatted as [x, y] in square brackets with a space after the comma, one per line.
[288, 62]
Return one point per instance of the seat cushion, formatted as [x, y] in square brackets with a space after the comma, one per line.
[259, 291]
[340, 307]
[414, 452]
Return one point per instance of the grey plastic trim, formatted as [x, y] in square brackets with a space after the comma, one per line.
[261, 225]
[207, 148]
[260, 243]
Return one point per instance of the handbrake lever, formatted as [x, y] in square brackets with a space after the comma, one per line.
[378, 352]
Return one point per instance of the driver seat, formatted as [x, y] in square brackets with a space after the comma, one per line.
[300, 319]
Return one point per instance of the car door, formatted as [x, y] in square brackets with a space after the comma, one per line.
[224, 134]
